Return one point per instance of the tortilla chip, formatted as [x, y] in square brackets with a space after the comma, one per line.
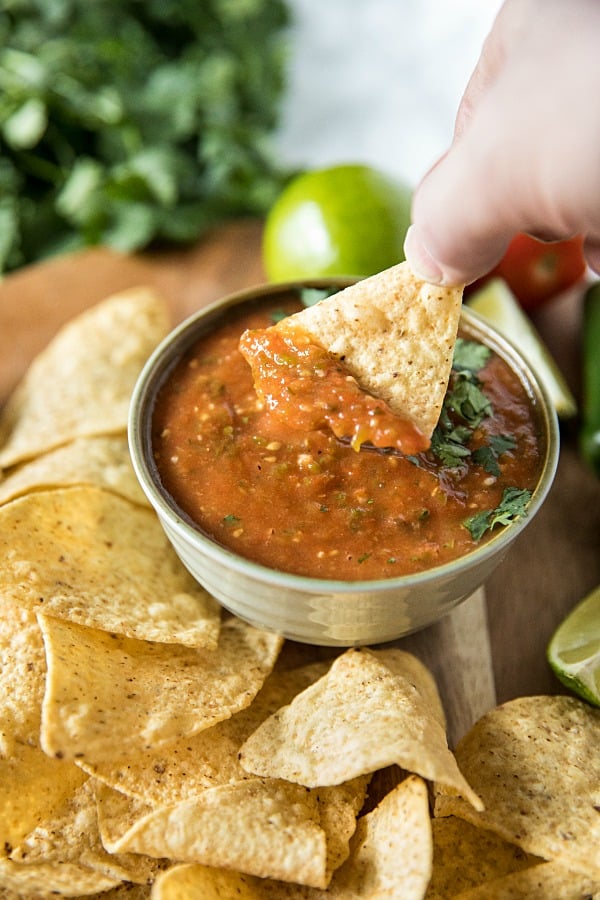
[91, 557]
[544, 881]
[80, 385]
[363, 715]
[130, 824]
[390, 857]
[262, 827]
[22, 677]
[339, 807]
[71, 835]
[46, 880]
[391, 849]
[192, 880]
[32, 787]
[396, 336]
[101, 461]
[465, 856]
[161, 776]
[109, 695]
[534, 761]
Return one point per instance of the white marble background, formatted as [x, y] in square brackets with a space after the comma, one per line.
[378, 81]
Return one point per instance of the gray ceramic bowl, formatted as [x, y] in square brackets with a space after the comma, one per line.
[319, 611]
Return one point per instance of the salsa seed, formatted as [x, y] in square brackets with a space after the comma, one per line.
[238, 532]
[274, 445]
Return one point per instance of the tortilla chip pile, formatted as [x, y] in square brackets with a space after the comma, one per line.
[153, 746]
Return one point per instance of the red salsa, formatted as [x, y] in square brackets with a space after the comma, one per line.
[299, 380]
[281, 489]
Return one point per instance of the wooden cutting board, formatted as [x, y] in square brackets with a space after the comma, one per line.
[491, 647]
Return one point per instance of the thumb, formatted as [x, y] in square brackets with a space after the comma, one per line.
[524, 158]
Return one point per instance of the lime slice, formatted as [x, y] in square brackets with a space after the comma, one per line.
[496, 303]
[574, 651]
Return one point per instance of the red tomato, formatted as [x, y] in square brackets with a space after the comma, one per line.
[537, 270]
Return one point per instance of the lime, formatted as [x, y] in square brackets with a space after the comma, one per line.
[574, 651]
[346, 220]
[496, 303]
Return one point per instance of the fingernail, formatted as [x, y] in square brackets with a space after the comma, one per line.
[419, 258]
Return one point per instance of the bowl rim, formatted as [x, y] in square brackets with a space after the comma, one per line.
[165, 356]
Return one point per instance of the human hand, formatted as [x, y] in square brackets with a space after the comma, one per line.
[526, 149]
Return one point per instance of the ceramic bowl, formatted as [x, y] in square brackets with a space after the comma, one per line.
[313, 610]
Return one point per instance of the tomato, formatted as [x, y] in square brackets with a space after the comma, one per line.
[538, 270]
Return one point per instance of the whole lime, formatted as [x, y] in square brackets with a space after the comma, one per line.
[343, 220]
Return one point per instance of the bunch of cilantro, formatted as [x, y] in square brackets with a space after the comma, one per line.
[126, 122]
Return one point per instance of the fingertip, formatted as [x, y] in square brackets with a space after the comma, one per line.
[424, 264]
[420, 259]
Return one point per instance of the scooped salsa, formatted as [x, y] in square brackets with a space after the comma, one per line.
[276, 485]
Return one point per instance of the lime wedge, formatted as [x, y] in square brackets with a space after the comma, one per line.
[574, 650]
[496, 303]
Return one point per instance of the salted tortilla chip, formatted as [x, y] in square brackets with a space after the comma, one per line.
[22, 677]
[71, 835]
[391, 849]
[91, 557]
[544, 881]
[396, 336]
[101, 461]
[262, 827]
[161, 776]
[108, 695]
[465, 856]
[390, 857]
[363, 715]
[81, 383]
[45, 880]
[32, 787]
[193, 880]
[534, 761]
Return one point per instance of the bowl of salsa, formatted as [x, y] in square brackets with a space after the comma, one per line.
[322, 539]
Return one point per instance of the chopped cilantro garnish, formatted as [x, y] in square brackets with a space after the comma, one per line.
[487, 459]
[488, 456]
[502, 442]
[512, 507]
[469, 355]
[468, 400]
[465, 406]
[450, 452]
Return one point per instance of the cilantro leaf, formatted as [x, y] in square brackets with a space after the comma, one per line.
[487, 459]
[500, 443]
[468, 400]
[488, 455]
[469, 355]
[512, 507]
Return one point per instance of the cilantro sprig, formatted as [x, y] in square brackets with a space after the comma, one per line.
[125, 123]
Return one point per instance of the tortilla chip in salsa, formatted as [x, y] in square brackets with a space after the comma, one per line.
[395, 335]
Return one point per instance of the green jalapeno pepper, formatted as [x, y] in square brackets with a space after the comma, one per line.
[589, 438]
